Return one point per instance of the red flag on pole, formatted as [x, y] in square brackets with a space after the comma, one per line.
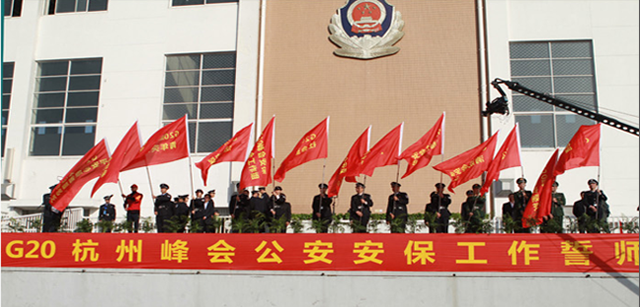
[383, 153]
[169, 143]
[583, 150]
[540, 202]
[469, 164]
[507, 157]
[312, 146]
[90, 166]
[127, 149]
[430, 144]
[358, 149]
[234, 150]
[257, 169]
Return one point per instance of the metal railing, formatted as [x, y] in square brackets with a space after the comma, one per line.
[27, 223]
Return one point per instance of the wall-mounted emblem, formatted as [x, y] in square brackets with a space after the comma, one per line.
[366, 29]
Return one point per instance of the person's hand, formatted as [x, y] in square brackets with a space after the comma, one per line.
[123, 196]
[233, 216]
[358, 213]
[438, 214]
[155, 212]
[470, 214]
[593, 208]
[395, 198]
[153, 196]
[392, 215]
[216, 214]
[550, 215]
[555, 200]
[363, 201]
[204, 217]
[318, 214]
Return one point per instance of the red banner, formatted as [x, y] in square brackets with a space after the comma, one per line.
[430, 144]
[257, 169]
[582, 150]
[234, 150]
[353, 158]
[570, 253]
[385, 152]
[313, 145]
[539, 204]
[507, 157]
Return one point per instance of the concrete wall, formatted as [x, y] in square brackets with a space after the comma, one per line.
[66, 287]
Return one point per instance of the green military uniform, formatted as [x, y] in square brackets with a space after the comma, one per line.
[474, 204]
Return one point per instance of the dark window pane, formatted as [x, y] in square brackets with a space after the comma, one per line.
[192, 137]
[530, 68]
[84, 83]
[573, 84]
[82, 115]
[97, 5]
[4, 137]
[7, 70]
[218, 93]
[17, 10]
[78, 140]
[6, 86]
[529, 50]
[47, 116]
[216, 110]
[186, 2]
[584, 100]
[65, 6]
[183, 78]
[189, 94]
[6, 101]
[219, 60]
[213, 77]
[175, 111]
[7, 9]
[45, 141]
[83, 99]
[567, 125]
[49, 100]
[221, 1]
[54, 68]
[527, 104]
[52, 84]
[572, 67]
[536, 131]
[81, 67]
[183, 62]
[5, 116]
[213, 135]
[81, 5]
[571, 49]
[542, 85]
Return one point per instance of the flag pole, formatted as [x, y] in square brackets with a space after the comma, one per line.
[150, 184]
[120, 186]
[191, 177]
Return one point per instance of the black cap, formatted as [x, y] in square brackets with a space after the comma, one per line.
[108, 196]
[476, 186]
[53, 186]
[323, 186]
[177, 198]
[555, 184]
[255, 191]
[521, 180]
[184, 196]
[469, 192]
[361, 185]
[440, 185]
[211, 191]
[261, 188]
[592, 181]
[199, 190]
[396, 184]
[277, 188]
[164, 186]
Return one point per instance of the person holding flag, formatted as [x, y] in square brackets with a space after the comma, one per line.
[321, 208]
[50, 215]
[360, 209]
[597, 207]
[397, 214]
[521, 199]
[163, 208]
[132, 206]
[552, 223]
[438, 207]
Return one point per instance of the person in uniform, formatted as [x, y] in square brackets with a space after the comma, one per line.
[360, 210]
[181, 212]
[239, 209]
[107, 213]
[277, 205]
[553, 222]
[163, 207]
[508, 210]
[196, 206]
[521, 199]
[465, 210]
[597, 207]
[132, 205]
[397, 214]
[475, 205]
[580, 212]
[50, 215]
[260, 212]
[321, 208]
[439, 205]
[209, 212]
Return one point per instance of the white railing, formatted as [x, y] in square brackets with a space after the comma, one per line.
[26, 223]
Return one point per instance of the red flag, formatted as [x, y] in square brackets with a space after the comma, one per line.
[257, 169]
[420, 153]
[127, 149]
[582, 150]
[540, 202]
[90, 166]
[469, 164]
[312, 146]
[385, 152]
[507, 157]
[234, 150]
[358, 149]
[169, 143]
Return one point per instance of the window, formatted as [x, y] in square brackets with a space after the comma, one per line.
[71, 6]
[201, 86]
[65, 107]
[563, 69]
[7, 84]
[196, 2]
[12, 8]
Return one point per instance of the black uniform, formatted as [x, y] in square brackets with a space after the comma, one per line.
[322, 204]
[399, 210]
[439, 205]
[281, 210]
[107, 213]
[260, 211]
[599, 201]
[360, 222]
[239, 210]
[163, 207]
[208, 215]
[508, 209]
[181, 215]
[521, 199]
[196, 207]
[50, 216]
[580, 212]
[474, 204]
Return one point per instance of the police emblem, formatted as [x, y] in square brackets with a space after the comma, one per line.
[366, 29]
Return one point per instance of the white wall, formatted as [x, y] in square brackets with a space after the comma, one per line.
[613, 28]
[133, 38]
